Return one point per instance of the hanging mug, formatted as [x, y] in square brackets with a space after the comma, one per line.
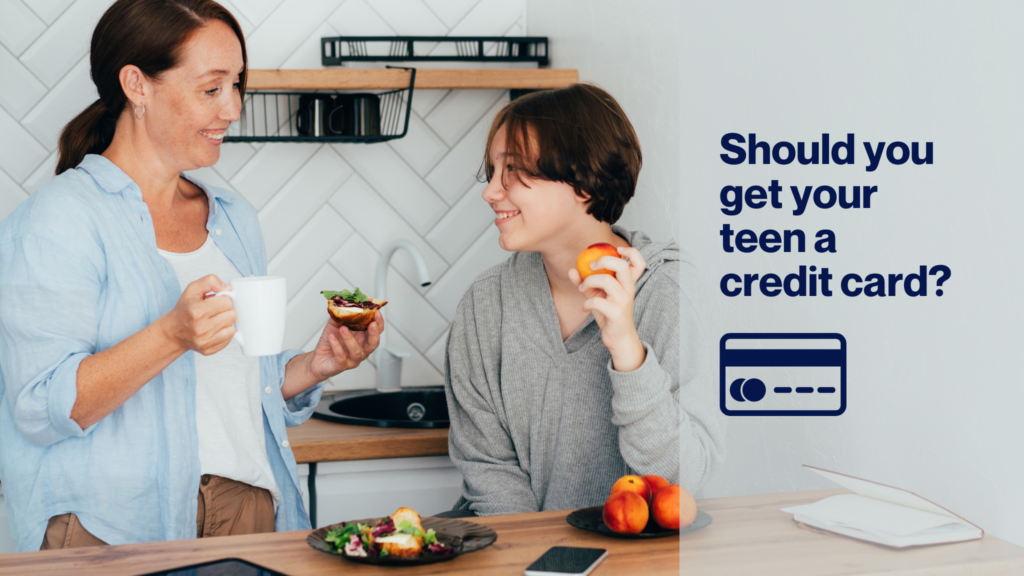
[363, 116]
[314, 111]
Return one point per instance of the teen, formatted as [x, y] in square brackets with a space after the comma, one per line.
[557, 387]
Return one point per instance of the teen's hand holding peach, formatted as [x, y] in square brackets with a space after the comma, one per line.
[610, 299]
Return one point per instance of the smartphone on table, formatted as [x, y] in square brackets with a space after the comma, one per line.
[566, 561]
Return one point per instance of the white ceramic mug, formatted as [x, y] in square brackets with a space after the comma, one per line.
[259, 303]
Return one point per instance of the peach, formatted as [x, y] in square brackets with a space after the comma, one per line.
[625, 512]
[655, 482]
[673, 507]
[591, 254]
[634, 484]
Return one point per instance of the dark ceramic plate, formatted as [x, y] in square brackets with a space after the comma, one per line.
[463, 536]
[590, 519]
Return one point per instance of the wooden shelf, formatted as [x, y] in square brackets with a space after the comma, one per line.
[383, 79]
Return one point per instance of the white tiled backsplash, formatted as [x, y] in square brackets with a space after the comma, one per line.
[326, 210]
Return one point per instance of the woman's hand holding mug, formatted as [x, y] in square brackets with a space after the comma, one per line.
[204, 325]
[204, 322]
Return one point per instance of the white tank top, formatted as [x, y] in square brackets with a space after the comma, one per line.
[229, 411]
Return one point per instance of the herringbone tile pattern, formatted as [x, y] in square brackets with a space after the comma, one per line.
[326, 210]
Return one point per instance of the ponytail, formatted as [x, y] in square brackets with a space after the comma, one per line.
[91, 132]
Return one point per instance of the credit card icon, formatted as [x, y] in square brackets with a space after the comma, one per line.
[782, 374]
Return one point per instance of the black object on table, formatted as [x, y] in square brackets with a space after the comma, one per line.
[227, 567]
[591, 520]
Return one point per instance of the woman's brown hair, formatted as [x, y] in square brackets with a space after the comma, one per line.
[145, 33]
[578, 135]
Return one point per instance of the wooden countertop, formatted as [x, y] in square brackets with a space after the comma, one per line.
[749, 535]
[522, 538]
[321, 441]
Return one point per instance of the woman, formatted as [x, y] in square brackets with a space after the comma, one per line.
[556, 386]
[127, 414]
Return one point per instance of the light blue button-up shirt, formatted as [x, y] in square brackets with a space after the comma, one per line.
[80, 272]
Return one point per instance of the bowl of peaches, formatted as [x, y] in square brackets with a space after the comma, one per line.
[642, 507]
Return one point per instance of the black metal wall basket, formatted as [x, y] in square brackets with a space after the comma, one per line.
[324, 116]
[337, 50]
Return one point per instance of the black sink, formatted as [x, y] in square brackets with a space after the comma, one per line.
[409, 408]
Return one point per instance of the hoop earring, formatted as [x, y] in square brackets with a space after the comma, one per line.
[136, 110]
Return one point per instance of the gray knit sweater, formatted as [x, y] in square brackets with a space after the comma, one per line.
[541, 424]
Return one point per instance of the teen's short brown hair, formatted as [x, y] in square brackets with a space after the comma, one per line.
[578, 135]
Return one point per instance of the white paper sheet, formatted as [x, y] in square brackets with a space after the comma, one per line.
[872, 515]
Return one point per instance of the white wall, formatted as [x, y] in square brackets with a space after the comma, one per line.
[421, 188]
[934, 396]
[631, 50]
[932, 392]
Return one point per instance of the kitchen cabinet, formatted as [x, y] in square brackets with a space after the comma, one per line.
[373, 488]
[365, 471]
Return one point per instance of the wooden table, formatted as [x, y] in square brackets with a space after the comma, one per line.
[320, 441]
[749, 536]
[521, 539]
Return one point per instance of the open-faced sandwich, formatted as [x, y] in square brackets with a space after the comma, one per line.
[400, 535]
[352, 309]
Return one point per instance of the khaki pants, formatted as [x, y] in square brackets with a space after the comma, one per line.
[230, 508]
[225, 508]
[65, 531]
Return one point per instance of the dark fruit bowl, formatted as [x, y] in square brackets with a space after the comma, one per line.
[591, 520]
